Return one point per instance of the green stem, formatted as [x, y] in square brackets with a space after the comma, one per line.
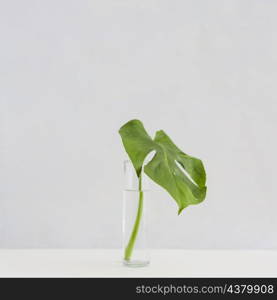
[129, 248]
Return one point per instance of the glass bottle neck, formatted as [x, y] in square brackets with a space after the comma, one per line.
[132, 181]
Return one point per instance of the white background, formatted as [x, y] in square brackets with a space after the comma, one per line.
[72, 72]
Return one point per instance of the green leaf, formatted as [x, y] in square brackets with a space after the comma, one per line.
[183, 176]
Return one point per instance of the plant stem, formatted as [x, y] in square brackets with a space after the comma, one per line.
[132, 240]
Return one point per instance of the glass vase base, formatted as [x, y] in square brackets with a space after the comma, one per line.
[136, 263]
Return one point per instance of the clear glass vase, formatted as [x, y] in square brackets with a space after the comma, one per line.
[136, 193]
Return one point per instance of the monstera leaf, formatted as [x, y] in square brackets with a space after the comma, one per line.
[183, 176]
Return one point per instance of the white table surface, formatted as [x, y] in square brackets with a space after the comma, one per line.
[164, 263]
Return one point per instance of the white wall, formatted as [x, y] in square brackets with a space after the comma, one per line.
[72, 72]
